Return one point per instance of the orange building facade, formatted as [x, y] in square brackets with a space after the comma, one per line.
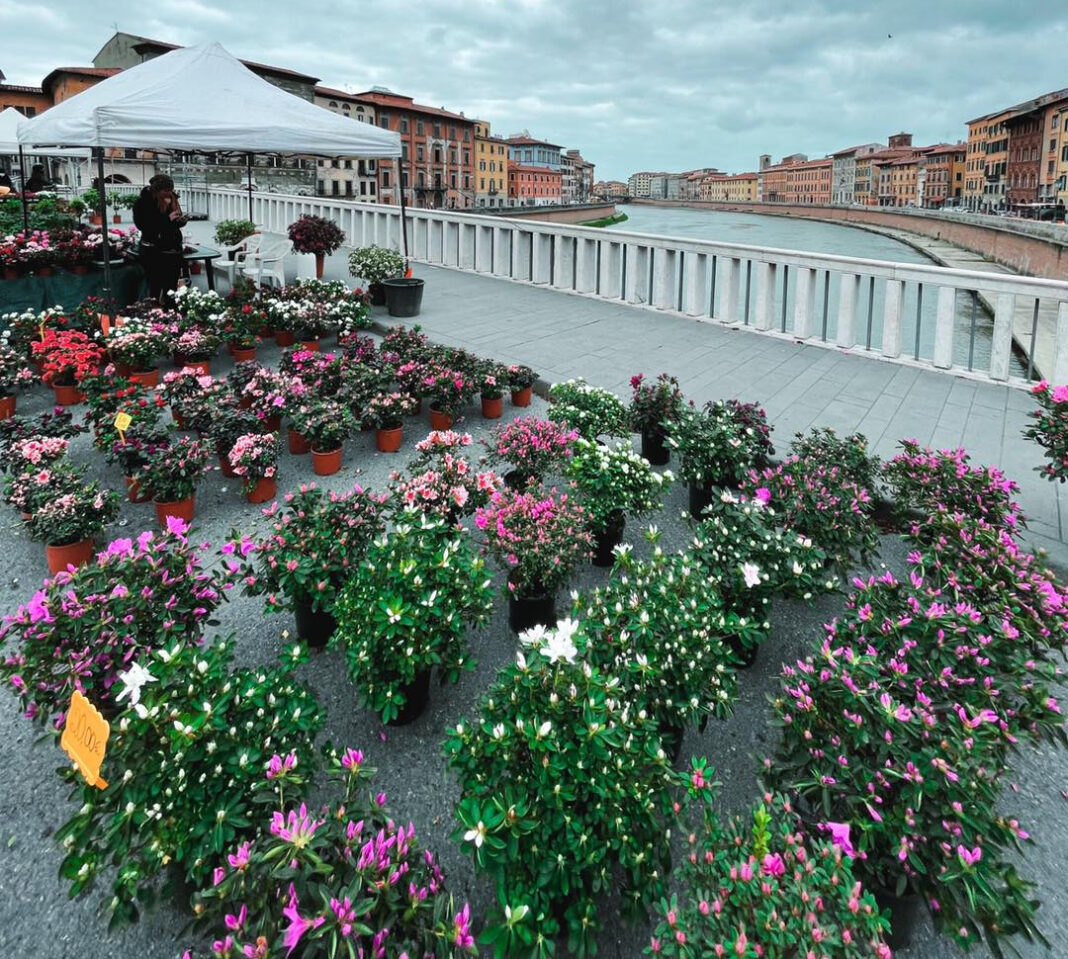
[527, 185]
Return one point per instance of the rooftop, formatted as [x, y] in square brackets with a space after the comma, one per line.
[386, 98]
[147, 45]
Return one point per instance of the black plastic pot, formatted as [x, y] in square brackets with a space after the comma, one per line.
[404, 295]
[654, 449]
[377, 294]
[517, 480]
[526, 612]
[671, 740]
[747, 654]
[416, 697]
[604, 541]
[314, 626]
[700, 497]
[904, 917]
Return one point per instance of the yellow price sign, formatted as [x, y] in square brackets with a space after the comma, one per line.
[85, 737]
[41, 329]
[122, 424]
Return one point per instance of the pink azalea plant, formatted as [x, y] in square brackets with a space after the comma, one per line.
[533, 447]
[1050, 429]
[254, 456]
[441, 479]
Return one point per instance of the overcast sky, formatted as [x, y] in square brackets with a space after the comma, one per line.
[660, 84]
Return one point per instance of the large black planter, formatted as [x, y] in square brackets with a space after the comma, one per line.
[904, 917]
[526, 612]
[604, 541]
[416, 697]
[314, 626]
[700, 497]
[404, 295]
[654, 449]
[377, 294]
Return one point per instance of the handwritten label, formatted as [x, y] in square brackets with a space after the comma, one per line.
[85, 737]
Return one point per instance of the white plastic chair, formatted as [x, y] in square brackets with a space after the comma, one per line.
[241, 250]
[268, 263]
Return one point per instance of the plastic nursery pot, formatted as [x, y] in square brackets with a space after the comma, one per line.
[271, 424]
[326, 463]
[517, 480]
[181, 509]
[671, 740]
[389, 441]
[522, 397]
[71, 554]
[203, 367]
[311, 346]
[135, 493]
[440, 420]
[179, 420]
[904, 917]
[298, 445]
[284, 337]
[68, 395]
[195, 267]
[700, 497]
[607, 539]
[492, 407]
[416, 698]
[404, 295]
[243, 356]
[654, 449]
[224, 466]
[746, 654]
[149, 379]
[378, 294]
[7, 407]
[266, 488]
[526, 612]
[314, 626]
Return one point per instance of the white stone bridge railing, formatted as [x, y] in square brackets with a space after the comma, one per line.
[902, 312]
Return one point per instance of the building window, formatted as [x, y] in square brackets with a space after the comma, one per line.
[452, 131]
[335, 188]
[385, 179]
[467, 136]
[346, 107]
[419, 127]
[404, 125]
[320, 187]
[371, 188]
[437, 130]
[419, 153]
[348, 188]
[452, 180]
[359, 109]
[348, 164]
[404, 151]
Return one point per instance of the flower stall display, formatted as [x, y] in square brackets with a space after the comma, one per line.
[760, 886]
[136, 345]
[254, 457]
[356, 881]
[315, 541]
[195, 347]
[1050, 429]
[406, 611]
[15, 372]
[184, 760]
[441, 478]
[521, 380]
[135, 596]
[386, 413]
[589, 409]
[373, 264]
[316, 235]
[533, 447]
[69, 523]
[612, 484]
[120, 242]
[652, 407]
[171, 474]
[564, 790]
[68, 357]
[538, 536]
[325, 424]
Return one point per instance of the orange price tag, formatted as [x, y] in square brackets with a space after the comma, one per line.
[85, 737]
[105, 324]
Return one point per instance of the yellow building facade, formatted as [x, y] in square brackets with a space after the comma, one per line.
[491, 167]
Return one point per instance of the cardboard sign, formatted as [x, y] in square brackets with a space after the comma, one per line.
[122, 424]
[105, 324]
[85, 737]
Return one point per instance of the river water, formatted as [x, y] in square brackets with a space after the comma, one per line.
[790, 233]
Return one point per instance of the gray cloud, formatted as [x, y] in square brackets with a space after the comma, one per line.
[669, 84]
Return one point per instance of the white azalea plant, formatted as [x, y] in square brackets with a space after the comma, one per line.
[589, 409]
[614, 480]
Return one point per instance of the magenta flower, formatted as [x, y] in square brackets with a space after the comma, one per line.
[773, 865]
[969, 856]
[840, 837]
[298, 925]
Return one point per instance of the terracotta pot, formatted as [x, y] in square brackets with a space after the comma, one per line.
[116, 218]
[25, 517]
[95, 219]
[440, 420]
[320, 262]
[68, 395]
[203, 367]
[80, 269]
[10, 274]
[149, 379]
[183, 509]
[224, 466]
[265, 489]
[73, 554]
[45, 271]
[195, 267]
[271, 424]
[122, 369]
[298, 445]
[522, 397]
[389, 441]
[179, 420]
[7, 406]
[266, 333]
[492, 407]
[312, 346]
[284, 337]
[245, 402]
[243, 356]
[134, 492]
[328, 463]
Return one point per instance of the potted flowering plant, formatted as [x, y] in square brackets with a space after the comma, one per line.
[538, 536]
[493, 380]
[240, 327]
[590, 410]
[652, 407]
[69, 523]
[26, 450]
[232, 232]
[1049, 429]
[228, 421]
[373, 265]
[344, 906]
[28, 490]
[266, 393]
[254, 457]
[315, 540]
[740, 873]
[69, 357]
[195, 348]
[143, 594]
[521, 380]
[325, 424]
[533, 447]
[198, 750]
[171, 474]
[57, 424]
[212, 401]
[563, 784]
[403, 344]
[181, 387]
[316, 235]
[612, 484]
[448, 391]
[197, 306]
[135, 346]
[441, 479]
[15, 371]
[406, 610]
[386, 413]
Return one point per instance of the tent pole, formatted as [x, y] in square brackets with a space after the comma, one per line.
[98, 152]
[404, 216]
[248, 164]
[22, 192]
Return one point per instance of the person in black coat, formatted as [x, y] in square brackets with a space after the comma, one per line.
[158, 216]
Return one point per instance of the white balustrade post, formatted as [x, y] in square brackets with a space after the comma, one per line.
[543, 257]
[586, 265]
[421, 238]
[664, 283]
[1001, 338]
[892, 319]
[522, 254]
[502, 251]
[945, 317]
[804, 302]
[848, 298]
[637, 285]
[1059, 373]
[467, 246]
[435, 248]
[564, 262]
[610, 281]
[696, 302]
[484, 248]
[767, 280]
[450, 243]
[730, 271]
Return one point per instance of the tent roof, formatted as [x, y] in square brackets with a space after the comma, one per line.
[9, 141]
[201, 99]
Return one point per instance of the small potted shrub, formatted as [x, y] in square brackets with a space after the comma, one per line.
[652, 407]
[1049, 429]
[240, 327]
[116, 201]
[254, 457]
[318, 236]
[406, 610]
[612, 484]
[232, 232]
[180, 388]
[538, 536]
[374, 265]
[68, 358]
[441, 479]
[266, 393]
[228, 421]
[15, 371]
[91, 199]
[315, 541]
[135, 346]
[171, 474]
[325, 424]
[386, 413]
[493, 380]
[521, 380]
[69, 523]
[28, 490]
[194, 349]
[448, 391]
[591, 411]
[533, 447]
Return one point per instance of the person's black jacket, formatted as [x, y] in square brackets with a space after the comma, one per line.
[156, 227]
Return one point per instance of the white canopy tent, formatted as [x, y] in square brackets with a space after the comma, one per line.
[200, 99]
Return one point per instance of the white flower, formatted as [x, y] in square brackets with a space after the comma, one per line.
[558, 646]
[478, 834]
[751, 572]
[727, 497]
[533, 636]
[132, 681]
[545, 728]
